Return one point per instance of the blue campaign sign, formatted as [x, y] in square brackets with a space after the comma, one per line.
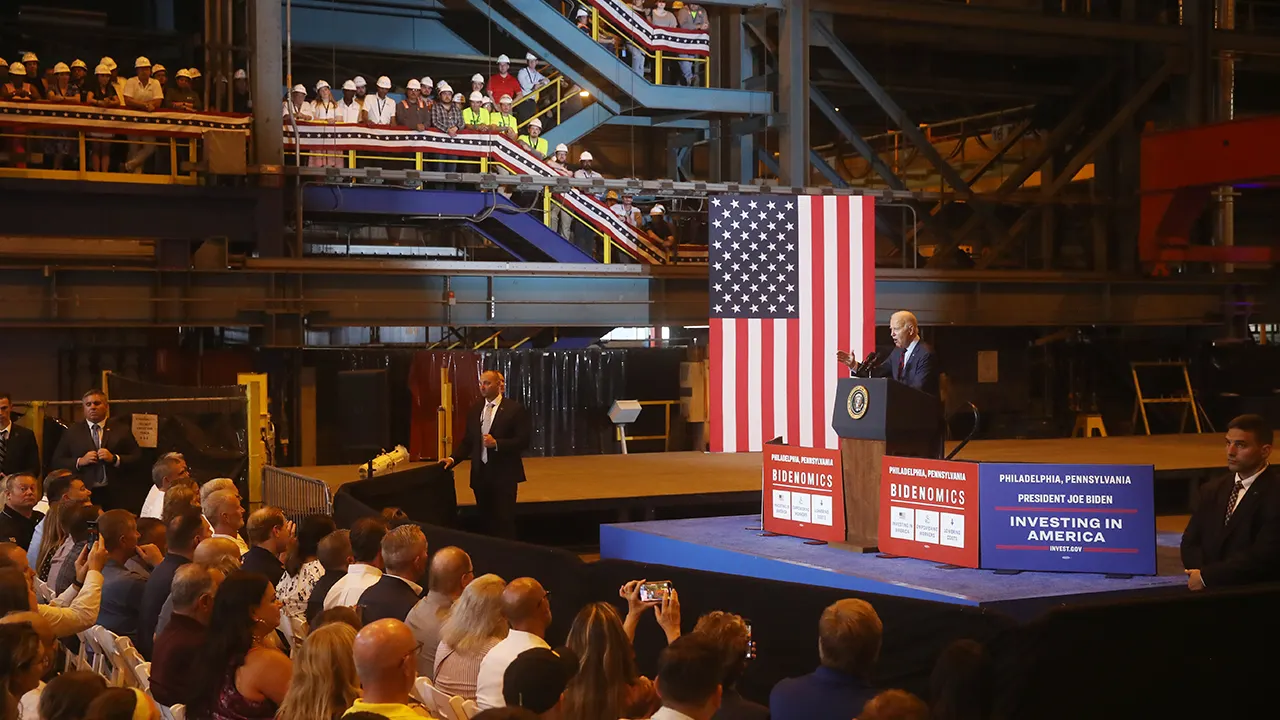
[1068, 518]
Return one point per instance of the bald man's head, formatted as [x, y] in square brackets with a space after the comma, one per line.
[526, 606]
[450, 571]
[218, 552]
[385, 660]
[491, 384]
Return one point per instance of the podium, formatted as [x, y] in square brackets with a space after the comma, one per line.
[875, 417]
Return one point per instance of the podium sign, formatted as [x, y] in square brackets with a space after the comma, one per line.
[1072, 518]
[929, 510]
[803, 492]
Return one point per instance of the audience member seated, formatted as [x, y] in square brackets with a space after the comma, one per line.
[19, 517]
[345, 615]
[67, 696]
[1233, 537]
[179, 647]
[334, 554]
[962, 685]
[731, 634]
[528, 613]
[324, 682]
[849, 636]
[226, 516]
[152, 532]
[474, 626]
[609, 685]
[185, 533]
[239, 675]
[81, 525]
[215, 553]
[384, 658]
[177, 499]
[404, 552]
[54, 541]
[59, 485]
[124, 580]
[270, 535]
[894, 705]
[120, 703]
[366, 549]
[302, 569]
[22, 664]
[449, 575]
[171, 469]
[29, 702]
[536, 680]
[73, 610]
[689, 679]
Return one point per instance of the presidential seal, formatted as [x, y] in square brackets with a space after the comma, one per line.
[857, 402]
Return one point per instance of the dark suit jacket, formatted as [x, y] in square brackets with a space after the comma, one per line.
[315, 603]
[823, 694]
[118, 438]
[921, 371]
[153, 598]
[510, 429]
[1245, 550]
[390, 597]
[21, 454]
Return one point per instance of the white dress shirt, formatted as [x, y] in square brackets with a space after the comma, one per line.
[1245, 484]
[347, 591]
[133, 88]
[382, 111]
[666, 713]
[487, 414]
[349, 113]
[244, 546]
[529, 79]
[906, 354]
[494, 666]
[154, 505]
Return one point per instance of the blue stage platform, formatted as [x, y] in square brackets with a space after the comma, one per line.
[724, 545]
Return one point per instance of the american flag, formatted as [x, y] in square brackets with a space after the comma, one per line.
[792, 281]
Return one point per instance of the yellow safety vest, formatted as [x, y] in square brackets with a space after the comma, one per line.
[502, 121]
[539, 146]
[471, 118]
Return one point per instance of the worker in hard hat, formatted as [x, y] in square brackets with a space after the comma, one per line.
[477, 83]
[532, 139]
[531, 83]
[689, 16]
[503, 121]
[560, 220]
[183, 97]
[349, 108]
[504, 83]
[413, 112]
[31, 64]
[630, 214]
[141, 92]
[296, 104]
[446, 117]
[585, 170]
[661, 232]
[380, 109]
[476, 117]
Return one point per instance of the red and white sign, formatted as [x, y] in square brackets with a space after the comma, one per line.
[804, 492]
[929, 510]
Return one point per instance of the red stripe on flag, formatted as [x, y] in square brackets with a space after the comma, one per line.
[715, 403]
[868, 279]
[817, 280]
[742, 380]
[767, 430]
[844, 238]
[792, 398]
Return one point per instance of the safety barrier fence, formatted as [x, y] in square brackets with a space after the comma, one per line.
[297, 495]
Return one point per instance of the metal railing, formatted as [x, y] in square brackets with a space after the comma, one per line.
[665, 437]
[297, 495]
[89, 156]
[657, 56]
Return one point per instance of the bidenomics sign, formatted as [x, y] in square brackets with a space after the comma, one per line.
[1072, 518]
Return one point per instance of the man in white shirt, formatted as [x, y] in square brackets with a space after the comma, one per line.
[380, 108]
[76, 609]
[527, 608]
[689, 679]
[349, 108]
[169, 470]
[142, 92]
[448, 576]
[226, 516]
[366, 571]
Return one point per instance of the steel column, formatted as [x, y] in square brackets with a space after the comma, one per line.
[863, 148]
[264, 82]
[793, 92]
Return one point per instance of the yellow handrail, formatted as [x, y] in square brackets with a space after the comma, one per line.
[657, 55]
[36, 144]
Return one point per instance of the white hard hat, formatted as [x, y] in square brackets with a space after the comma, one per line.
[239, 75]
[102, 69]
[413, 84]
[78, 63]
[183, 72]
[157, 68]
[457, 97]
[657, 210]
[29, 57]
[427, 82]
[585, 156]
[195, 73]
[111, 64]
[505, 99]
[321, 84]
[504, 59]
[562, 148]
[535, 123]
[360, 81]
[582, 12]
[477, 78]
[300, 88]
[443, 87]
[17, 68]
[61, 68]
[530, 56]
[348, 85]
[384, 82]
[476, 96]
[141, 62]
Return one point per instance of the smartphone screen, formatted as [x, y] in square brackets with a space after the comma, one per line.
[751, 644]
[654, 591]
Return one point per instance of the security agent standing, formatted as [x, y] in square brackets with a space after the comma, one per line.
[102, 454]
[497, 431]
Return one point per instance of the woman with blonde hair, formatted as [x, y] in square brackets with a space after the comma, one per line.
[324, 682]
[54, 536]
[475, 624]
[608, 685]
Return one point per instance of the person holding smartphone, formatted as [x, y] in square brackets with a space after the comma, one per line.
[732, 635]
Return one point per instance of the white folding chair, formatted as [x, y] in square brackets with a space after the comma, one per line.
[114, 647]
[44, 593]
[423, 693]
[139, 669]
[464, 708]
[91, 647]
[176, 712]
[444, 707]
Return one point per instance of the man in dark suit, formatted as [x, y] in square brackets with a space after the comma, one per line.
[103, 454]
[404, 552]
[911, 362]
[18, 450]
[497, 432]
[1233, 537]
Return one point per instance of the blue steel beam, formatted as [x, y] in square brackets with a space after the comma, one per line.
[581, 123]
[666, 97]
[863, 148]
[351, 27]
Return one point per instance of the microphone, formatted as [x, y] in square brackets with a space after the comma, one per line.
[866, 365]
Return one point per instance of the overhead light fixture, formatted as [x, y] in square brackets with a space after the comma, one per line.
[837, 109]
[584, 93]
